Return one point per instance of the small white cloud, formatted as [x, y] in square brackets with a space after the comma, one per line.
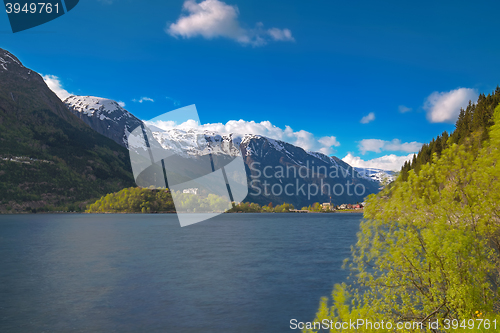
[303, 139]
[377, 146]
[329, 141]
[444, 107]
[368, 118]
[387, 162]
[281, 34]
[404, 109]
[143, 99]
[54, 83]
[122, 104]
[214, 18]
[174, 101]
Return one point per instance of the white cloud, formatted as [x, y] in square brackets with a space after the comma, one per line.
[387, 162]
[280, 34]
[303, 139]
[404, 109]
[214, 18]
[377, 146]
[54, 83]
[143, 99]
[444, 107]
[329, 141]
[174, 101]
[368, 118]
[122, 104]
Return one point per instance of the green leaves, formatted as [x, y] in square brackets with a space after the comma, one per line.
[134, 200]
[429, 247]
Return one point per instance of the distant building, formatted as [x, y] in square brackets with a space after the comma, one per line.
[327, 206]
[191, 191]
[343, 206]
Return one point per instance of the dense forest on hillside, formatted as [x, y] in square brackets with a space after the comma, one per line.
[476, 118]
[428, 252]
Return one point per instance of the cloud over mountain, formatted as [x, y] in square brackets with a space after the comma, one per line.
[303, 139]
[377, 146]
[387, 162]
[54, 83]
[143, 99]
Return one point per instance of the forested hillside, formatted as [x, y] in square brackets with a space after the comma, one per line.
[49, 159]
[429, 249]
[476, 118]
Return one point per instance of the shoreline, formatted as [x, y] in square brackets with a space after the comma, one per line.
[45, 213]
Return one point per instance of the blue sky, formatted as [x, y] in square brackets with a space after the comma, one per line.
[319, 67]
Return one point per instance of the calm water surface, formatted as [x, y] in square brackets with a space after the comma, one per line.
[144, 273]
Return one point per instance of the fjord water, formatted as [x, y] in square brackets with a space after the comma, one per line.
[144, 273]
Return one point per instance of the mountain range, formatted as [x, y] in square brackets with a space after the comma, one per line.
[261, 155]
[57, 154]
[50, 159]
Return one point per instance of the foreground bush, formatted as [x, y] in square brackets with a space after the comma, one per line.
[429, 247]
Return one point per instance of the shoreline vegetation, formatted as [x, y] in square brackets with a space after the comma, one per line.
[428, 252]
[344, 211]
[143, 200]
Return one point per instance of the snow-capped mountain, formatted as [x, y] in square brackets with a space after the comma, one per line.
[105, 116]
[193, 142]
[271, 165]
[377, 175]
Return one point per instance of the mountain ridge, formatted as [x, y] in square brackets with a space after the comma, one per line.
[104, 115]
[48, 157]
[257, 151]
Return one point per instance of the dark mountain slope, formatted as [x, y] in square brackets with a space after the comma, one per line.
[279, 172]
[48, 157]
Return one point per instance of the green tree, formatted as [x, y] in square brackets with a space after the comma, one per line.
[429, 247]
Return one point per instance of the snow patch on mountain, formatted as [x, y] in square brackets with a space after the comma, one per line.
[89, 105]
[104, 115]
[7, 58]
[377, 175]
